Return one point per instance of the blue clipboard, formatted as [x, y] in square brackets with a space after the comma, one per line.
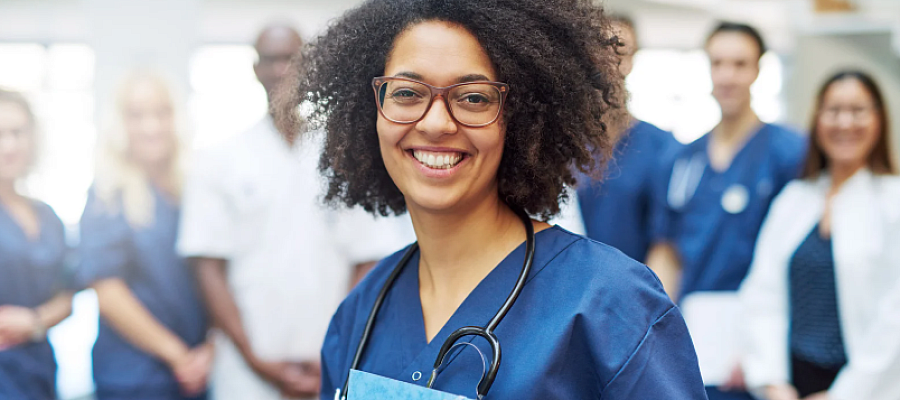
[366, 386]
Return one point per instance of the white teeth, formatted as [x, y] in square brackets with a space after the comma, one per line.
[437, 160]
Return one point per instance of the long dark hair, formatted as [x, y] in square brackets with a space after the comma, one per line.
[881, 160]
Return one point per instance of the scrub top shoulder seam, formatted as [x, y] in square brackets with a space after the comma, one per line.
[638, 347]
[550, 261]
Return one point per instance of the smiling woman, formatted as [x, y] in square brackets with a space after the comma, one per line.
[824, 289]
[482, 111]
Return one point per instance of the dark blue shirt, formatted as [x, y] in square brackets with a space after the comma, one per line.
[31, 273]
[590, 322]
[618, 210]
[715, 245]
[145, 259]
[815, 325]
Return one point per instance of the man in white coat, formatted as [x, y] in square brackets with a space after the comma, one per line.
[272, 263]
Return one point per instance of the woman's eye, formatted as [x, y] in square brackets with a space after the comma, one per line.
[403, 94]
[474, 98]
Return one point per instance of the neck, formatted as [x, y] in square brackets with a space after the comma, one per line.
[737, 127]
[840, 173]
[630, 122]
[454, 254]
[159, 176]
[8, 191]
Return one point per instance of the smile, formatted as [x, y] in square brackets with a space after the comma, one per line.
[438, 159]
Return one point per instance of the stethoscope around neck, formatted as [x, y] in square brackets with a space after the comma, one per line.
[486, 332]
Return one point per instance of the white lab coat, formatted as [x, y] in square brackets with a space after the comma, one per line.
[256, 202]
[865, 230]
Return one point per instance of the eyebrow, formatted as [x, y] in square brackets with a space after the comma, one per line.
[462, 79]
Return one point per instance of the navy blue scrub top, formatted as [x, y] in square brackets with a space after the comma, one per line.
[31, 273]
[145, 259]
[590, 322]
[716, 246]
[617, 211]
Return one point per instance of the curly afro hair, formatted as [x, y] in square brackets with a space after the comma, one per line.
[558, 57]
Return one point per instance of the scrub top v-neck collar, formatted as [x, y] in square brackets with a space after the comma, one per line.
[404, 306]
[19, 229]
[745, 151]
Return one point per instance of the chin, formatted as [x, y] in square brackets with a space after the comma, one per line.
[846, 159]
[434, 201]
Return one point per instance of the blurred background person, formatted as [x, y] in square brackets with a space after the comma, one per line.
[721, 185]
[617, 210]
[151, 342]
[272, 262]
[823, 294]
[34, 295]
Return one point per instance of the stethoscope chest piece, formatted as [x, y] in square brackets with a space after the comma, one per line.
[735, 199]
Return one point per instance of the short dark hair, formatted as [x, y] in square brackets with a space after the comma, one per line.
[558, 58]
[725, 26]
[881, 160]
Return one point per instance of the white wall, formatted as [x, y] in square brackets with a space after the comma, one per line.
[818, 56]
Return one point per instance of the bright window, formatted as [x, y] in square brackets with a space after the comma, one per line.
[225, 98]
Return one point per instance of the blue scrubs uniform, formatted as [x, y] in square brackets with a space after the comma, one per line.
[31, 273]
[617, 211]
[145, 259]
[716, 245]
[590, 322]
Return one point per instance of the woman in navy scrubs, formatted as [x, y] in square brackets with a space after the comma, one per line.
[523, 89]
[151, 342]
[33, 296]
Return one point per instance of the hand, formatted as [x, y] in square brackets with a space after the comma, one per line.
[294, 380]
[192, 370]
[304, 378]
[17, 324]
[735, 380]
[817, 396]
[781, 392]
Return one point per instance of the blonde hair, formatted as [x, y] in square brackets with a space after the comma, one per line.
[120, 183]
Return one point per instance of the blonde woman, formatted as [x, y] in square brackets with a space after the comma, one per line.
[32, 253]
[151, 342]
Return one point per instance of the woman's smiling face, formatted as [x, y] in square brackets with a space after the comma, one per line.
[848, 125]
[438, 164]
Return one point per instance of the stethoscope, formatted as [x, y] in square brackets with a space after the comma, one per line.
[486, 332]
[687, 174]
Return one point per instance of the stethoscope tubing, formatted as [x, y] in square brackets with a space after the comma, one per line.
[486, 332]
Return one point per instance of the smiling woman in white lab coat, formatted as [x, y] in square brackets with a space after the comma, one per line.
[823, 294]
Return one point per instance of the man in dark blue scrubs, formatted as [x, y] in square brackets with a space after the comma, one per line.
[618, 210]
[719, 187]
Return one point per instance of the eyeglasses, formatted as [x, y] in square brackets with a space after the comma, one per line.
[857, 113]
[471, 104]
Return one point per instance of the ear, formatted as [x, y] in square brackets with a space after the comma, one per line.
[256, 70]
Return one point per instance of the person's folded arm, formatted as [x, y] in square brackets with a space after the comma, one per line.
[125, 313]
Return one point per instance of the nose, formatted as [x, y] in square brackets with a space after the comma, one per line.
[437, 120]
[723, 74]
[844, 119]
